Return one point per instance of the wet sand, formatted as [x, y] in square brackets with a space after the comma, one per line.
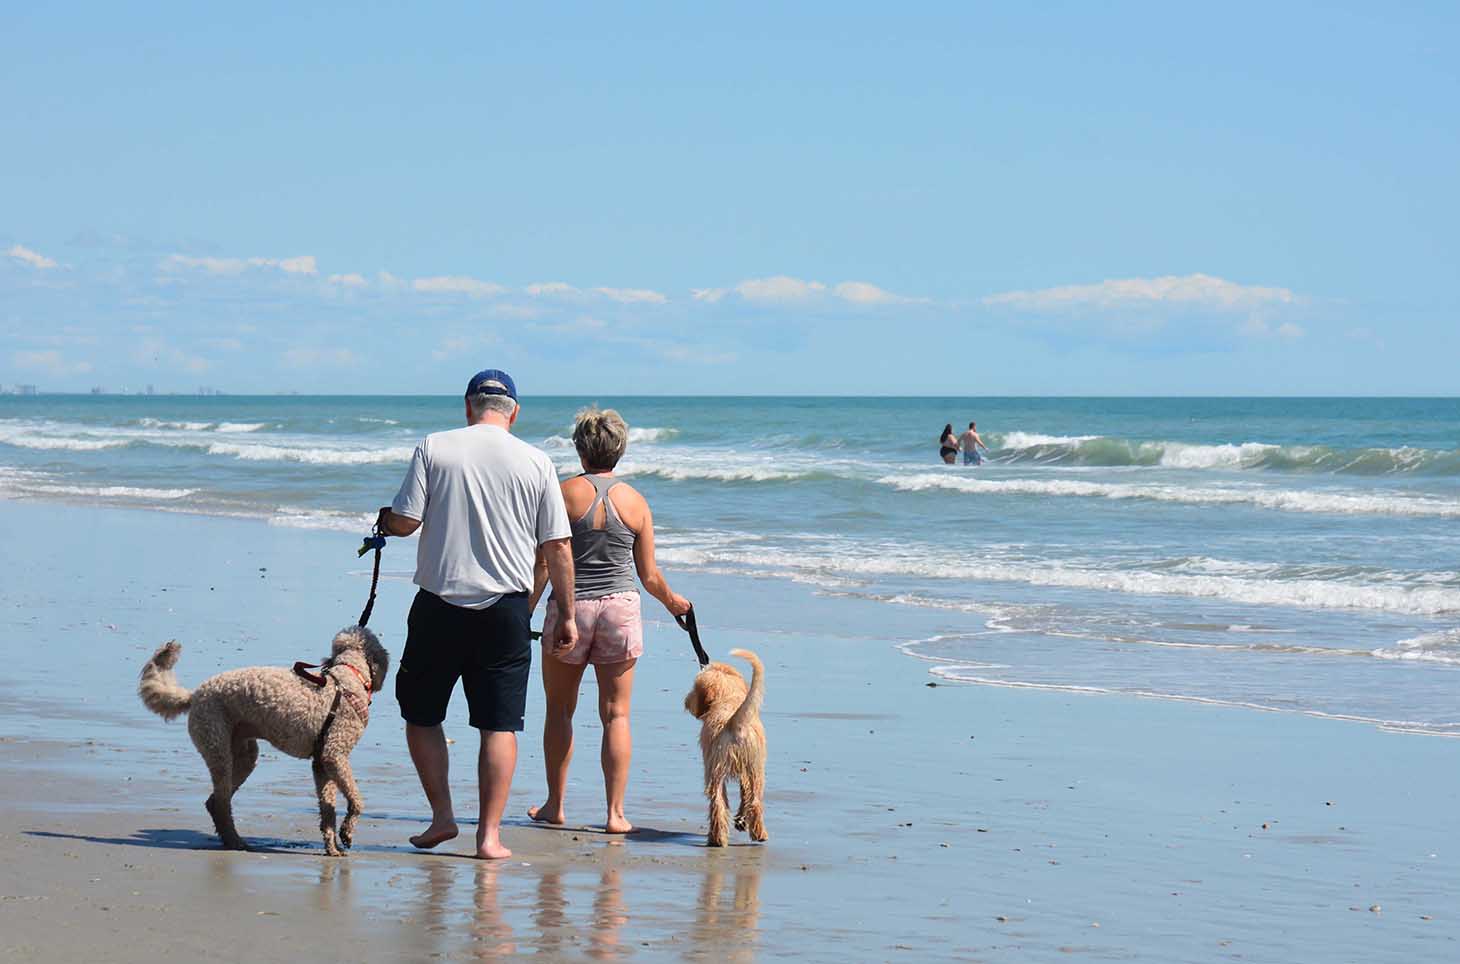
[907, 821]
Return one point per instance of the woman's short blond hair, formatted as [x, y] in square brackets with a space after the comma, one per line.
[600, 436]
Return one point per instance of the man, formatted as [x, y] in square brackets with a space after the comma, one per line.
[487, 504]
[970, 443]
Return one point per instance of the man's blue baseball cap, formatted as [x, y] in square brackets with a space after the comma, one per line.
[492, 381]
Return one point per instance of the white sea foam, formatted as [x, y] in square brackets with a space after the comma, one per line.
[311, 456]
[241, 426]
[715, 473]
[1440, 647]
[1287, 500]
[1029, 440]
[889, 561]
[61, 443]
[178, 426]
[299, 518]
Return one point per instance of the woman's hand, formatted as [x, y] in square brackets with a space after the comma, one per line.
[677, 604]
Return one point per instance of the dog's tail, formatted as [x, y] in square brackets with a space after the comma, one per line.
[751, 705]
[159, 688]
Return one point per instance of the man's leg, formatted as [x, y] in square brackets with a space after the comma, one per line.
[424, 680]
[428, 752]
[495, 763]
[560, 682]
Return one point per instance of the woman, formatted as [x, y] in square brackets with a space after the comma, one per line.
[948, 444]
[613, 536]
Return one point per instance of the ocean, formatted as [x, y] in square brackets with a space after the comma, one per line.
[1289, 555]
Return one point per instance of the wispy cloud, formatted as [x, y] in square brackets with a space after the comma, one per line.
[52, 361]
[458, 284]
[227, 267]
[1193, 290]
[779, 288]
[32, 258]
[155, 351]
[553, 289]
[784, 289]
[351, 280]
[632, 296]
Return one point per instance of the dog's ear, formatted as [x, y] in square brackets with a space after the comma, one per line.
[379, 664]
[352, 637]
[694, 701]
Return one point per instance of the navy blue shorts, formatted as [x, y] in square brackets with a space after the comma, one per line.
[489, 650]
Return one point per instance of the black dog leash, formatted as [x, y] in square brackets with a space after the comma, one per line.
[376, 541]
[687, 623]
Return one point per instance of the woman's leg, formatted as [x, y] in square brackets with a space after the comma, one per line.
[560, 684]
[615, 688]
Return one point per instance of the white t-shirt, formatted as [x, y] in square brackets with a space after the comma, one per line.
[486, 501]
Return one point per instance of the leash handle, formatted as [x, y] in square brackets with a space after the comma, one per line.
[376, 541]
[688, 624]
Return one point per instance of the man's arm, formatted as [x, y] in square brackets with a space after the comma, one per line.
[395, 524]
[559, 556]
[539, 580]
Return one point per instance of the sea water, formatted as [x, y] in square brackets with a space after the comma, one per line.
[1297, 555]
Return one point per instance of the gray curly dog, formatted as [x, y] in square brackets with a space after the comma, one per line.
[229, 713]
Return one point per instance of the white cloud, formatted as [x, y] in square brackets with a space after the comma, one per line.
[779, 288]
[1257, 327]
[515, 312]
[632, 296]
[455, 346]
[33, 258]
[553, 289]
[226, 267]
[348, 280]
[320, 357]
[1193, 290]
[710, 295]
[863, 293]
[457, 284]
[51, 361]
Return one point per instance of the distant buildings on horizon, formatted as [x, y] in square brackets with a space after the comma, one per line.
[18, 389]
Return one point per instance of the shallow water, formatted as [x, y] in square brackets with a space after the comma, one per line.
[1287, 554]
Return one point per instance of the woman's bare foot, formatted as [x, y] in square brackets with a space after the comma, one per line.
[550, 812]
[437, 833]
[490, 848]
[617, 824]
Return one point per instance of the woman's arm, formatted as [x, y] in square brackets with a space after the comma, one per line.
[649, 574]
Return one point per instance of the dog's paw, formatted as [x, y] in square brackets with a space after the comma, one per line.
[346, 838]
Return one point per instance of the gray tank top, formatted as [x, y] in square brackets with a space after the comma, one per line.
[603, 559]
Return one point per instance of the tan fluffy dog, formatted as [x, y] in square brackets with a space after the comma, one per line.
[229, 713]
[732, 741]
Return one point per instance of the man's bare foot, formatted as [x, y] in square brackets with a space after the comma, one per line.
[549, 812]
[618, 825]
[437, 833]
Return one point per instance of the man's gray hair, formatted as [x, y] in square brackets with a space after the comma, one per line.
[482, 403]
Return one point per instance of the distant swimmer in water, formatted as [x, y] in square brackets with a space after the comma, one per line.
[970, 443]
[948, 444]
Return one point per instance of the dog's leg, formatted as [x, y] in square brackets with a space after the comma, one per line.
[245, 758]
[752, 799]
[324, 788]
[344, 778]
[220, 804]
[719, 834]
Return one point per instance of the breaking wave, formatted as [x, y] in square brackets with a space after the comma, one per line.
[1287, 500]
[1096, 450]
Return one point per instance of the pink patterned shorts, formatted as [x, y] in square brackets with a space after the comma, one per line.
[610, 630]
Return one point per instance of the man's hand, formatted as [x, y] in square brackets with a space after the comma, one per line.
[567, 635]
[558, 554]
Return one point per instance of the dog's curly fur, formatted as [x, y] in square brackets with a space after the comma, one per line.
[732, 741]
[229, 713]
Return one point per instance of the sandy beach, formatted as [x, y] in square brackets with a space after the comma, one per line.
[908, 820]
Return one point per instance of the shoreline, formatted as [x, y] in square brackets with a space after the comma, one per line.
[943, 822]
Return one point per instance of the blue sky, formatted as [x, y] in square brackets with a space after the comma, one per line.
[834, 198]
